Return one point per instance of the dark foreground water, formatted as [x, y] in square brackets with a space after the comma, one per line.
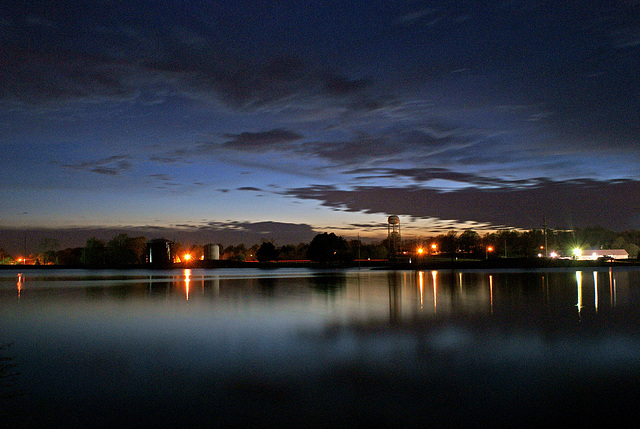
[304, 348]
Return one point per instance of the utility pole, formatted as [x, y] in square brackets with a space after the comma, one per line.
[358, 250]
[544, 225]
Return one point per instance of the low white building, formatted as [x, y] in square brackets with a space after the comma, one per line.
[592, 255]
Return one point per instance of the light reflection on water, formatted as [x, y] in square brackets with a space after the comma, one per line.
[249, 345]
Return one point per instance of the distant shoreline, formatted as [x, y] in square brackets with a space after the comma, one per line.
[440, 264]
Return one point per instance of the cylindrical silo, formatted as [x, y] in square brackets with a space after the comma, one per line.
[211, 252]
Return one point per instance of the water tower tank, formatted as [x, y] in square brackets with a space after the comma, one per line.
[393, 220]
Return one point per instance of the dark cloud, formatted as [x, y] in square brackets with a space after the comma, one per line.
[171, 157]
[421, 175]
[338, 85]
[260, 141]
[35, 77]
[564, 204]
[161, 176]
[230, 232]
[110, 166]
[127, 59]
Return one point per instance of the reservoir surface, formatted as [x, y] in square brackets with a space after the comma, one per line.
[319, 348]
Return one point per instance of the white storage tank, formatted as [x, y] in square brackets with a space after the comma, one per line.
[211, 252]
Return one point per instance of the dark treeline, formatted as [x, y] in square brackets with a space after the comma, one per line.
[532, 243]
[125, 251]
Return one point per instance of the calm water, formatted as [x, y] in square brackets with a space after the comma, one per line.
[298, 347]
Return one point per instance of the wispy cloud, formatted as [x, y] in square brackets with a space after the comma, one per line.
[110, 166]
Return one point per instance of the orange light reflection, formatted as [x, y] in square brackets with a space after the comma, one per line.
[491, 291]
[421, 286]
[187, 280]
[434, 275]
[20, 283]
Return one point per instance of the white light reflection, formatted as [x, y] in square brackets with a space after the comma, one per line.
[579, 281]
[187, 280]
[595, 288]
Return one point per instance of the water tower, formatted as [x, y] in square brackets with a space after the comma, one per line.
[393, 237]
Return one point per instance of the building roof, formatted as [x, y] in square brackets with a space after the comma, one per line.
[603, 252]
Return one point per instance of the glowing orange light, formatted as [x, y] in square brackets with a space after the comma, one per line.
[187, 257]
[420, 250]
[490, 249]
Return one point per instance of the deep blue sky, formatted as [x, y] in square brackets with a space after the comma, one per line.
[245, 120]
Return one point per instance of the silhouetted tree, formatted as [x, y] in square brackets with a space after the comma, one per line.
[469, 241]
[70, 256]
[267, 252]
[449, 243]
[373, 251]
[235, 253]
[47, 250]
[291, 252]
[633, 250]
[327, 247]
[121, 251]
[5, 258]
[94, 253]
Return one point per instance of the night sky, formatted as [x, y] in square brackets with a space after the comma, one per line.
[240, 120]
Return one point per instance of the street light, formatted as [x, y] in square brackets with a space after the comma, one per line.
[577, 252]
[486, 253]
